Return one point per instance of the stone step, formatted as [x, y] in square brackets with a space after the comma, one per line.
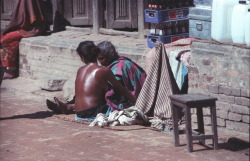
[55, 54]
[50, 58]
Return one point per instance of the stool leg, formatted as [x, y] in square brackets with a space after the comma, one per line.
[200, 123]
[189, 129]
[175, 124]
[214, 126]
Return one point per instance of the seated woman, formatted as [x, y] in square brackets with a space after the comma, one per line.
[92, 82]
[28, 19]
[127, 72]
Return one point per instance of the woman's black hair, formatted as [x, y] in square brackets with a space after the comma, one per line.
[108, 50]
[88, 50]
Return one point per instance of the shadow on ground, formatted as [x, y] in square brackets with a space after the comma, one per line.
[236, 145]
[36, 115]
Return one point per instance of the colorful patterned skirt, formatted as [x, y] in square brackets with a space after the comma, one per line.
[10, 52]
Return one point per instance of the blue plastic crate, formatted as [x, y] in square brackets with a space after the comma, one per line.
[161, 16]
[152, 40]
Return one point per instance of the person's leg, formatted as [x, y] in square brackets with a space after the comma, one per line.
[9, 54]
[1, 67]
[1, 73]
[65, 108]
[71, 101]
[53, 107]
[59, 107]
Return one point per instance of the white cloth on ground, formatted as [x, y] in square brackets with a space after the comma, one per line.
[130, 116]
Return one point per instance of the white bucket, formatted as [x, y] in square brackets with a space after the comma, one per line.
[247, 28]
[221, 20]
[238, 22]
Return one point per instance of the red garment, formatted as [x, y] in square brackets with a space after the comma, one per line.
[28, 19]
[9, 53]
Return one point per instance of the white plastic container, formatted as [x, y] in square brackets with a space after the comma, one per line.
[238, 22]
[221, 20]
[247, 28]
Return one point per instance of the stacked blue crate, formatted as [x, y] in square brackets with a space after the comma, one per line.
[165, 16]
[152, 40]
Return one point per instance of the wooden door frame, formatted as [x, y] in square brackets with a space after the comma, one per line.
[83, 20]
[98, 19]
[113, 22]
[141, 18]
[98, 15]
[6, 16]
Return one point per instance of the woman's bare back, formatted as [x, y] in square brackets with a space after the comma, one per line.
[90, 86]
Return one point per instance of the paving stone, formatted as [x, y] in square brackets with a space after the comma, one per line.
[29, 131]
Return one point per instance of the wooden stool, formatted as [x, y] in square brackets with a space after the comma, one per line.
[198, 101]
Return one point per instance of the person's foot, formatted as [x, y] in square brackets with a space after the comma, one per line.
[9, 76]
[10, 73]
[53, 107]
[62, 106]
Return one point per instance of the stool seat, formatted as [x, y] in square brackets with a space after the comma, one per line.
[193, 100]
[198, 101]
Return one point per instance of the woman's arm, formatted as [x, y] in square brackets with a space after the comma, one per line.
[117, 85]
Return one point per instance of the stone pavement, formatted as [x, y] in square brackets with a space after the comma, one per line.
[28, 132]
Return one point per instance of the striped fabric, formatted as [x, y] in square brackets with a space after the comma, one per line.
[159, 84]
[182, 44]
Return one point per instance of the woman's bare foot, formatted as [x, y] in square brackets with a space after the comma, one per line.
[10, 72]
[62, 106]
[53, 107]
[8, 76]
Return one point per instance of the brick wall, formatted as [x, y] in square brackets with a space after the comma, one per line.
[40, 57]
[223, 71]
